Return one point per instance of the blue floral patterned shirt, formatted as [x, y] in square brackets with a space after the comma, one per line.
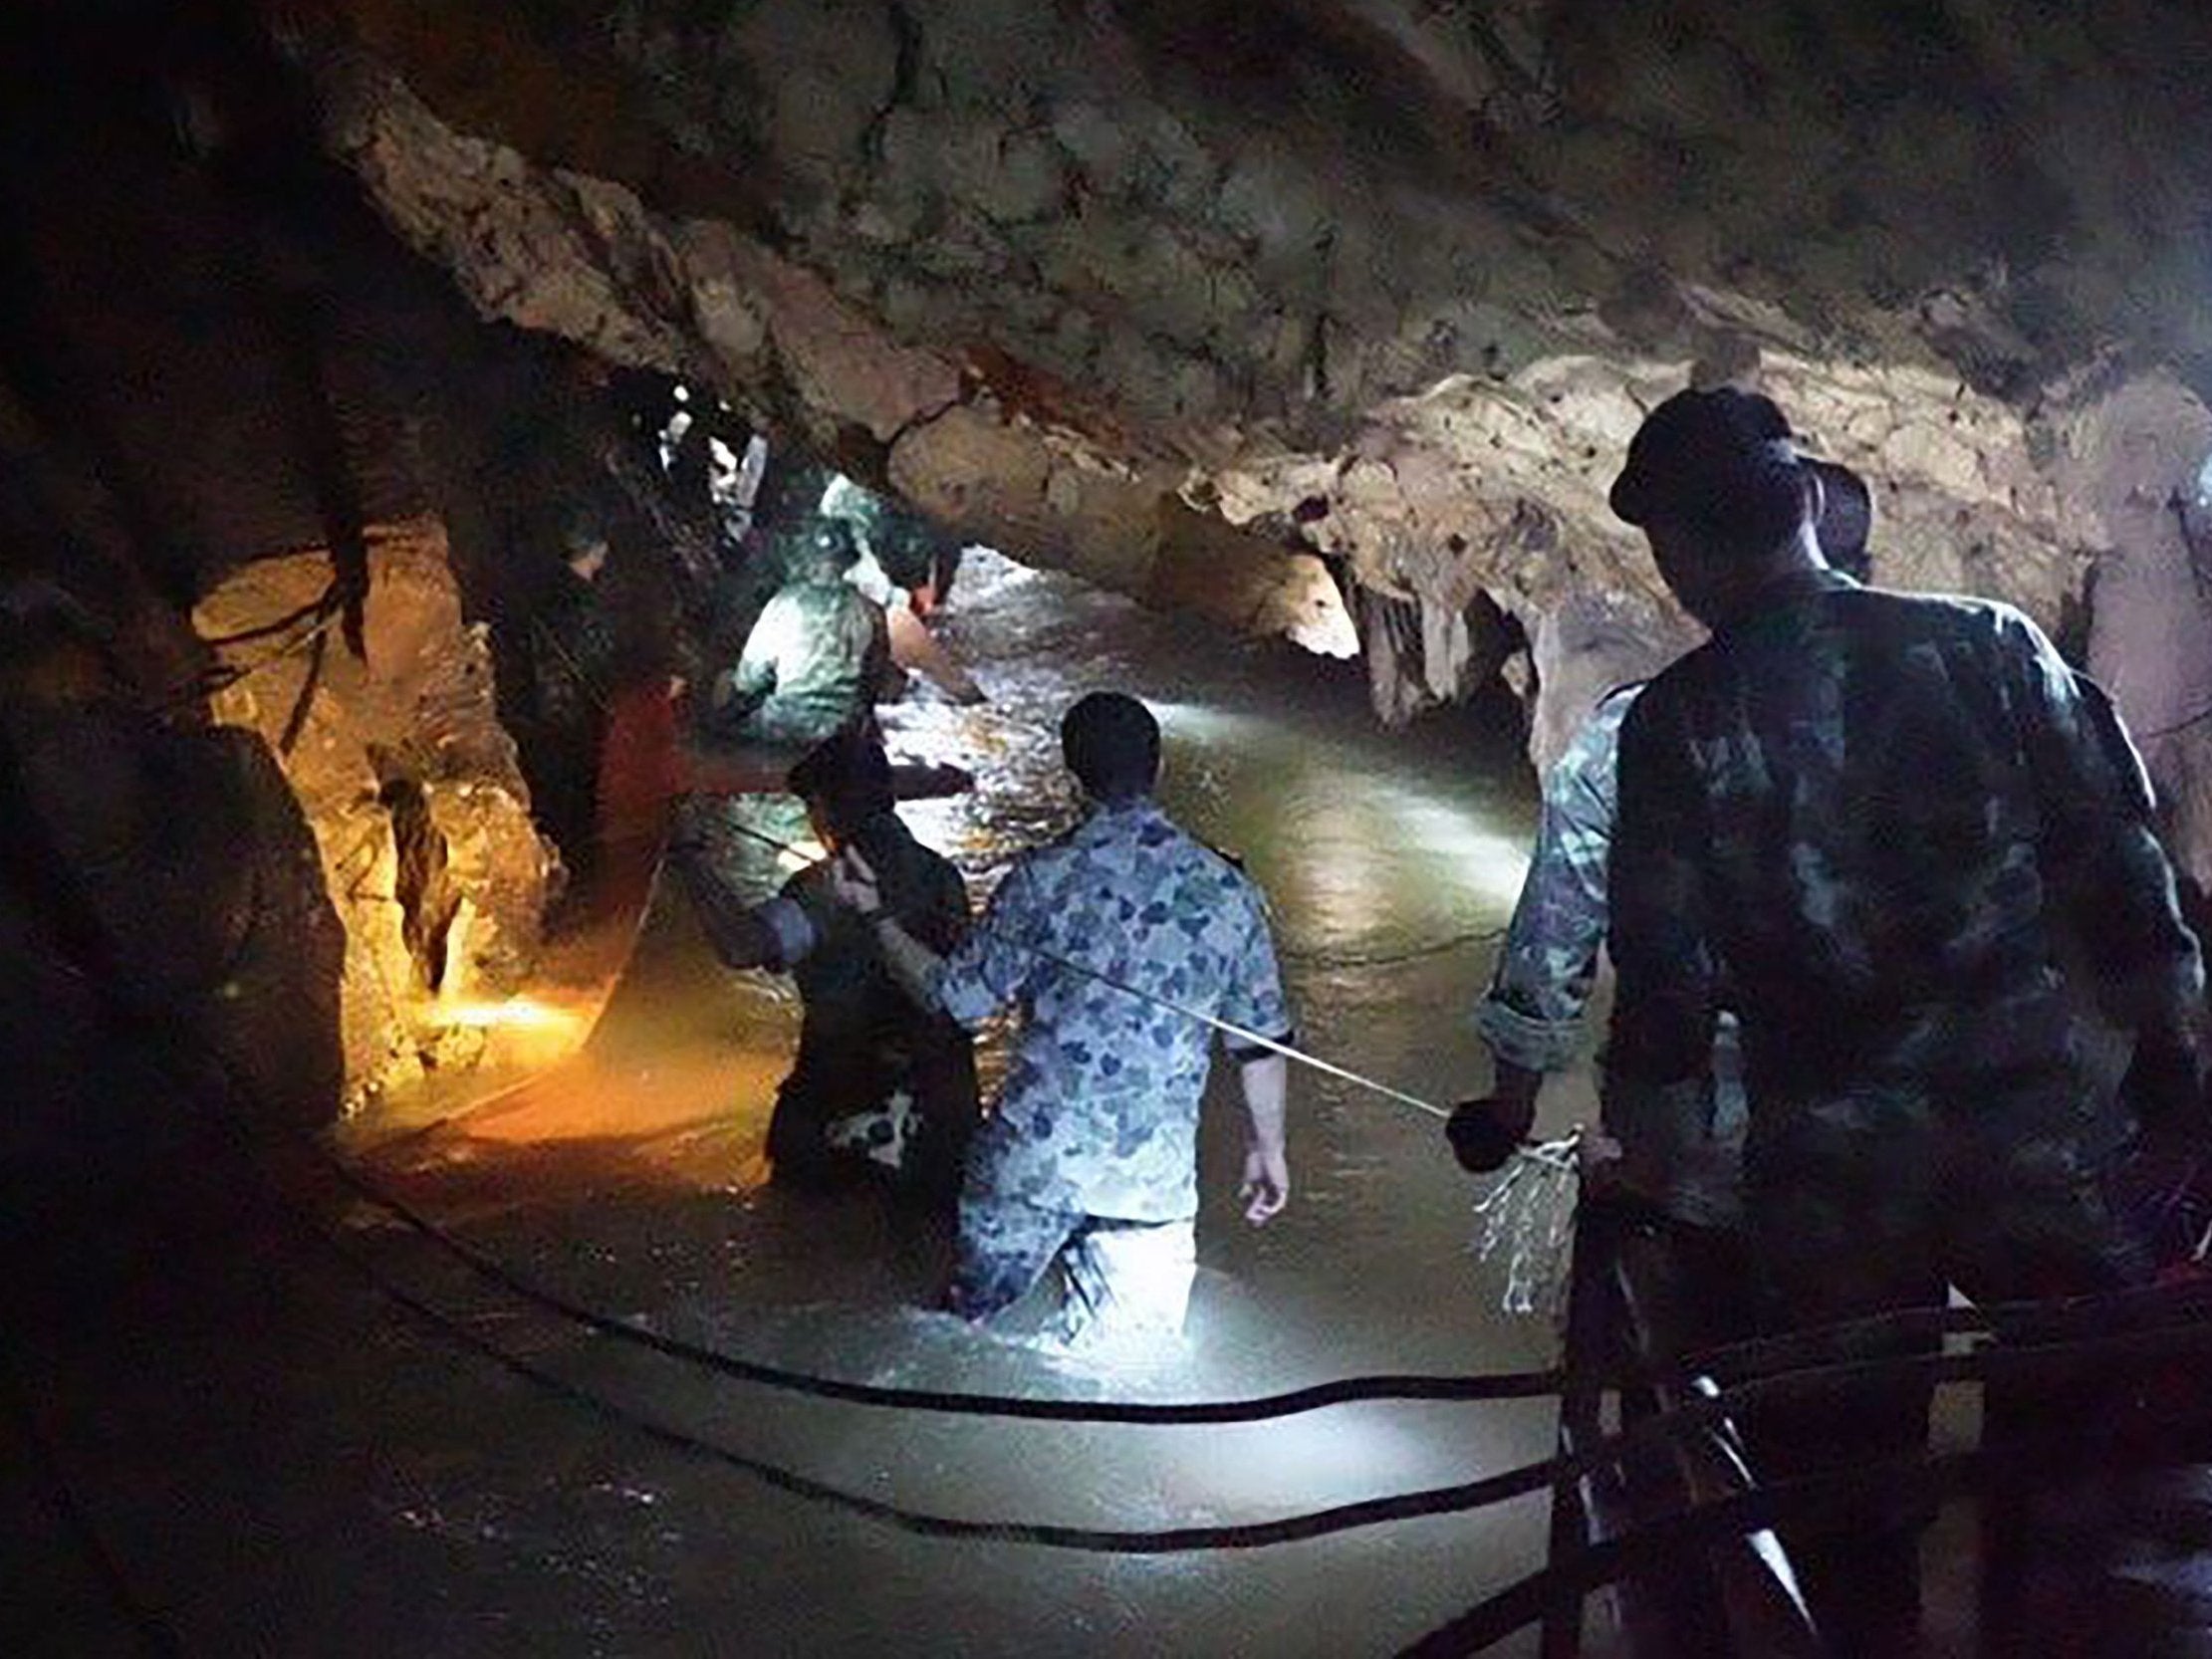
[1100, 1111]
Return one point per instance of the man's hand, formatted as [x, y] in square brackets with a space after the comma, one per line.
[1614, 1175]
[1267, 1183]
[1485, 1134]
[854, 884]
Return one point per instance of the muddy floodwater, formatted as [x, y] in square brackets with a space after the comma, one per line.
[304, 1466]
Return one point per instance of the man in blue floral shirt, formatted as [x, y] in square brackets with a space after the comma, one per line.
[1091, 1157]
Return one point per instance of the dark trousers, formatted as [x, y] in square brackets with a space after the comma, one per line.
[1874, 1202]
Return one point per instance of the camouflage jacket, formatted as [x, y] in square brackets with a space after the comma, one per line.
[861, 1036]
[1532, 1014]
[1099, 1110]
[814, 661]
[1886, 820]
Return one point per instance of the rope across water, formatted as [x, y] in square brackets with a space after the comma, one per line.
[1228, 1028]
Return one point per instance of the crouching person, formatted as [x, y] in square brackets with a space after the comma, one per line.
[882, 1085]
[1089, 1161]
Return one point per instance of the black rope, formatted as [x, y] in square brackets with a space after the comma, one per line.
[1764, 1354]
[1838, 1494]
[316, 609]
[226, 675]
[2179, 726]
[1431, 1502]
[1372, 1512]
[296, 722]
[1502, 1385]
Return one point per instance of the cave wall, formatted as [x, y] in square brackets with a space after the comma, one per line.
[1386, 282]
[421, 814]
[233, 402]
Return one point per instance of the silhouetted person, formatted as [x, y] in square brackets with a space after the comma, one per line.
[880, 1081]
[1531, 1018]
[1867, 820]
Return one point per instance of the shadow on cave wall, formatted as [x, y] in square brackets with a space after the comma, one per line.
[215, 364]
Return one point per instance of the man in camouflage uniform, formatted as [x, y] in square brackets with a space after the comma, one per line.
[819, 657]
[1091, 1157]
[905, 560]
[1877, 819]
[1531, 1016]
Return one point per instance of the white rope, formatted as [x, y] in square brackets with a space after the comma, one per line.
[1252, 1038]
[1529, 1216]
[1557, 1156]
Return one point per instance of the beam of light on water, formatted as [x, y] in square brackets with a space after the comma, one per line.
[520, 1031]
[509, 1012]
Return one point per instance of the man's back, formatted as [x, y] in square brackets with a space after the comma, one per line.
[818, 650]
[1100, 1109]
[1875, 812]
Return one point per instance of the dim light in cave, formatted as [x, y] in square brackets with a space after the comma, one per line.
[524, 1013]
[521, 1030]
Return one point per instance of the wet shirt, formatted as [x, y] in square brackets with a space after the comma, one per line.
[812, 662]
[1880, 816]
[1100, 1111]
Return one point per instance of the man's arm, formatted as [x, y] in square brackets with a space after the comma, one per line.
[747, 685]
[778, 934]
[1254, 1000]
[914, 964]
[1531, 1018]
[1658, 1062]
[1264, 1079]
[2111, 876]
[984, 972]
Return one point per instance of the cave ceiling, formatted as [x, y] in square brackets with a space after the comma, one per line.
[1133, 288]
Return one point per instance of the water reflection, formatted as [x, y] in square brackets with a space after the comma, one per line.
[1388, 861]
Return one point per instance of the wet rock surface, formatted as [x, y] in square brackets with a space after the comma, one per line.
[420, 811]
[1391, 284]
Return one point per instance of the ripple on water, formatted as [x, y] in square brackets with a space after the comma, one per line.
[1388, 859]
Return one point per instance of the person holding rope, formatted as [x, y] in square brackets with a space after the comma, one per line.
[881, 1085]
[1531, 1018]
[1878, 820]
[1120, 943]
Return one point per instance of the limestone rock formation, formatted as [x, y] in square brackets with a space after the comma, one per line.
[1383, 281]
[419, 809]
[169, 957]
